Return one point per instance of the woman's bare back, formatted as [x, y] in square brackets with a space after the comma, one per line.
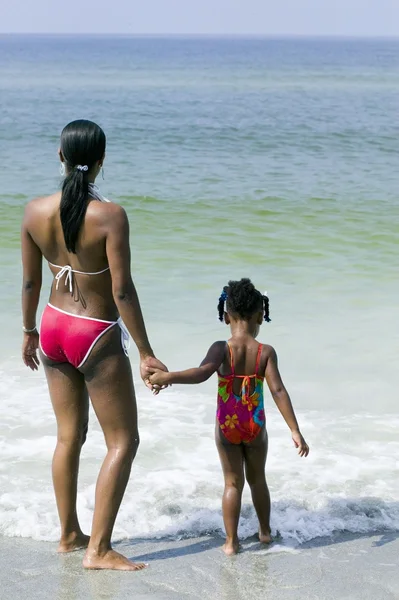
[91, 294]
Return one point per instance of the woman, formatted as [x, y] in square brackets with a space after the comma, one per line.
[85, 240]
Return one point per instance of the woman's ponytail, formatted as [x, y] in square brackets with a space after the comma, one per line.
[82, 148]
[75, 193]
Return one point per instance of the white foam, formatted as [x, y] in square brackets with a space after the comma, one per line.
[348, 483]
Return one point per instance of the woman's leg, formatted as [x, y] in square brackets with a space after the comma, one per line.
[232, 461]
[70, 402]
[255, 462]
[111, 390]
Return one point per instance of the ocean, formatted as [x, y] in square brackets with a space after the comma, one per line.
[275, 159]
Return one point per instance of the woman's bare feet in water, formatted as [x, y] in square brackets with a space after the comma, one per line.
[73, 542]
[110, 560]
[231, 547]
[265, 536]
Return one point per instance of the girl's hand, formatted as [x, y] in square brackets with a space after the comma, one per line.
[148, 365]
[299, 441]
[158, 377]
[29, 350]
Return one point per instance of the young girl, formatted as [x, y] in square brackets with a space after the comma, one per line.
[241, 438]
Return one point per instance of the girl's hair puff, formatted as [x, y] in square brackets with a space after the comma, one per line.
[241, 298]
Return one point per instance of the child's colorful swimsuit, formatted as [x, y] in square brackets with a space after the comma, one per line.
[242, 417]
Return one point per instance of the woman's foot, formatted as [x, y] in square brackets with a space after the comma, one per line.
[265, 536]
[110, 560]
[231, 547]
[72, 542]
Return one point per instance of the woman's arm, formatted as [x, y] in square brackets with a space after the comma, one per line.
[31, 286]
[208, 367]
[123, 289]
[283, 402]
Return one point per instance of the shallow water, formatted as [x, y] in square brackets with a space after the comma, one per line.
[275, 160]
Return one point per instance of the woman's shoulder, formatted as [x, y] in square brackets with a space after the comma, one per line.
[40, 200]
[42, 204]
[110, 217]
[108, 210]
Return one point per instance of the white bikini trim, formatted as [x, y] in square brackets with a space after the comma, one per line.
[95, 342]
[67, 270]
[40, 331]
[80, 316]
[96, 194]
[43, 352]
[125, 338]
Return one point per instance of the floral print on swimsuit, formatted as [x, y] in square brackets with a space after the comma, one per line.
[241, 417]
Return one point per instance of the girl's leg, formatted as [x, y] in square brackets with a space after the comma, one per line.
[70, 402]
[255, 461]
[232, 460]
[110, 386]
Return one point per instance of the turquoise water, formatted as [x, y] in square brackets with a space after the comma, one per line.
[274, 159]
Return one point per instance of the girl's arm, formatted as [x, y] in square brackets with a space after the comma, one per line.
[283, 402]
[31, 286]
[208, 367]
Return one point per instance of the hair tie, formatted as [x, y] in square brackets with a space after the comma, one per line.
[266, 315]
[82, 167]
[222, 300]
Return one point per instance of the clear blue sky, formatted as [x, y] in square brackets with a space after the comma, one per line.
[270, 17]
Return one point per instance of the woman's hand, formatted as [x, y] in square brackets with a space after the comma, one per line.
[299, 442]
[30, 345]
[159, 378]
[147, 366]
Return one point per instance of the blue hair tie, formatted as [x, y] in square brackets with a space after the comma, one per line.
[221, 305]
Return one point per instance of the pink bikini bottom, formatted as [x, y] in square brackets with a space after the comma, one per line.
[69, 338]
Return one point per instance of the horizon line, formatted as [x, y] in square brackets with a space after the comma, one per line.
[205, 35]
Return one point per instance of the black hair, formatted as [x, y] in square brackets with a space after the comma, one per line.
[82, 146]
[242, 299]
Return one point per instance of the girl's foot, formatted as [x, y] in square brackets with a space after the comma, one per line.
[110, 560]
[265, 536]
[72, 542]
[231, 547]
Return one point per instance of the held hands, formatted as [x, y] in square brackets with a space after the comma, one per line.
[30, 345]
[149, 365]
[299, 441]
[158, 377]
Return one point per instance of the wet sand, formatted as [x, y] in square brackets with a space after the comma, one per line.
[340, 568]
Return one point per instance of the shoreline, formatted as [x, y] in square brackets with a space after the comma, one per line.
[345, 566]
